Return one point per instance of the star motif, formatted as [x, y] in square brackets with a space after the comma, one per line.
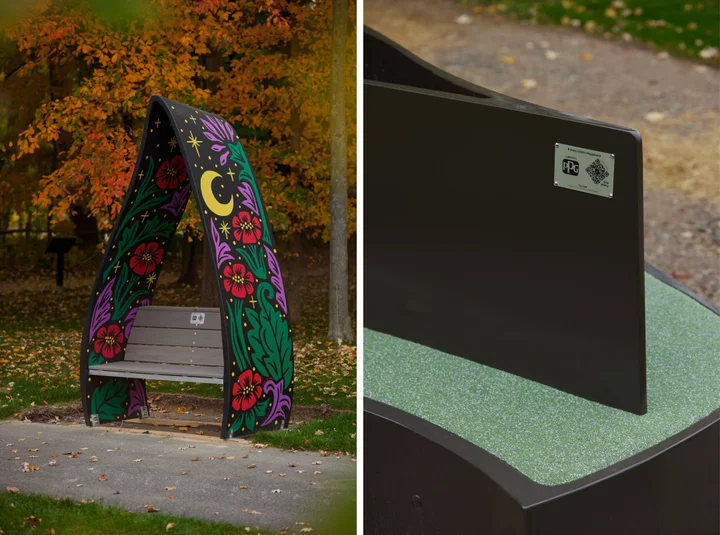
[252, 301]
[225, 229]
[144, 216]
[141, 175]
[150, 279]
[173, 143]
[195, 143]
[231, 174]
[193, 119]
[157, 123]
[116, 267]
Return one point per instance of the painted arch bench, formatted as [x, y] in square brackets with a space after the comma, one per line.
[246, 343]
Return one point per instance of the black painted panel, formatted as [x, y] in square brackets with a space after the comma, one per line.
[470, 249]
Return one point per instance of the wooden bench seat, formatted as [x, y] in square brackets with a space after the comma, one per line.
[164, 345]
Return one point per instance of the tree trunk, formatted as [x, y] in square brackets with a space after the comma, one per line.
[340, 327]
[208, 288]
[292, 253]
[190, 264]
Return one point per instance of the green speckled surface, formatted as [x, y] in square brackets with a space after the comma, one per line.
[548, 435]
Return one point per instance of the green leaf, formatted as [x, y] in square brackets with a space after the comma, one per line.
[269, 337]
[108, 399]
[94, 359]
[248, 418]
[237, 335]
[253, 257]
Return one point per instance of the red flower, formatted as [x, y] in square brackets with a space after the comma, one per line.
[108, 341]
[146, 258]
[247, 227]
[246, 390]
[238, 280]
[171, 173]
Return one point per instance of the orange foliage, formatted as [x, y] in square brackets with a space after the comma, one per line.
[229, 57]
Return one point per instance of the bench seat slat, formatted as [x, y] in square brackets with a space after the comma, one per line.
[150, 369]
[175, 337]
[200, 356]
[176, 318]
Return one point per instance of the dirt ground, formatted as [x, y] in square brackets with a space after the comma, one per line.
[675, 104]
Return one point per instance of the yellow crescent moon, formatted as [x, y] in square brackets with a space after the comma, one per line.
[210, 200]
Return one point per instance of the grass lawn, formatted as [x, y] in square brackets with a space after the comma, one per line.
[41, 331]
[685, 28]
[47, 515]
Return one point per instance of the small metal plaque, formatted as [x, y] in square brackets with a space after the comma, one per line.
[143, 412]
[94, 420]
[197, 318]
[586, 170]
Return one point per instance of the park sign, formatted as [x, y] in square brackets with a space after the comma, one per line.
[502, 232]
[246, 344]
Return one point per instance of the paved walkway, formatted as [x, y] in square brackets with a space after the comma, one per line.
[138, 468]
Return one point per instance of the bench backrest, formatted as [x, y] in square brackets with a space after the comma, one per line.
[165, 334]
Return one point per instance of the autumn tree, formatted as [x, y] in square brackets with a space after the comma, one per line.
[228, 57]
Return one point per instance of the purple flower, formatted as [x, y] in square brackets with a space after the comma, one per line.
[221, 133]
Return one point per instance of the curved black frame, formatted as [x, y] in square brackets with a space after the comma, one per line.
[421, 478]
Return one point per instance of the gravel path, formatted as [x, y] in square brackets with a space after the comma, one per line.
[675, 104]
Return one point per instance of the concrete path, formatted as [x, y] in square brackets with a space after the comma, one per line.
[137, 469]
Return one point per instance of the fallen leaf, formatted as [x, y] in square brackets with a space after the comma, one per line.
[654, 117]
[27, 467]
[183, 429]
[93, 459]
[281, 474]
[268, 471]
[31, 521]
[319, 432]
[80, 485]
[183, 473]
[243, 486]
[551, 55]
[317, 472]
[529, 83]
[306, 530]
[680, 275]
[170, 488]
[13, 490]
[137, 460]
[317, 462]
[587, 56]
[200, 432]
[252, 466]
[150, 508]
[52, 463]
[463, 19]
[169, 526]
[102, 477]
[195, 459]
[171, 497]
[505, 59]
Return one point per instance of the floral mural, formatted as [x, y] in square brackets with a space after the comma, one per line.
[184, 150]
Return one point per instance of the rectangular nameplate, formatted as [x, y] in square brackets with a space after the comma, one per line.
[197, 318]
[585, 170]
